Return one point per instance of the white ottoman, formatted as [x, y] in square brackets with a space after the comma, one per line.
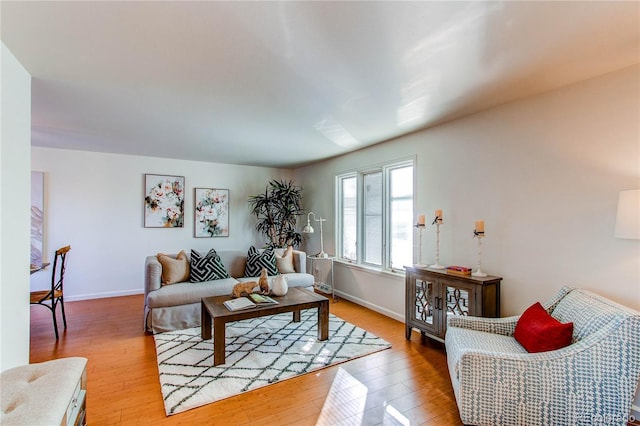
[48, 393]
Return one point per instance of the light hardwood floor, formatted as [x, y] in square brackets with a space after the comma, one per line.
[405, 385]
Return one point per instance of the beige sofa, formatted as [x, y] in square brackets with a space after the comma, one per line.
[177, 306]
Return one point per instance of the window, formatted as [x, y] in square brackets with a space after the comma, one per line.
[375, 216]
[348, 219]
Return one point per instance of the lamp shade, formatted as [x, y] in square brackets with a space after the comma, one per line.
[628, 216]
[308, 229]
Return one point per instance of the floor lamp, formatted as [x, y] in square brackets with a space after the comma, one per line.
[308, 229]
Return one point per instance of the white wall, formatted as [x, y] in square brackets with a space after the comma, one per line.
[94, 202]
[15, 202]
[543, 173]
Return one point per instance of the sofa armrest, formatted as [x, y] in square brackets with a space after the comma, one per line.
[504, 326]
[300, 261]
[152, 275]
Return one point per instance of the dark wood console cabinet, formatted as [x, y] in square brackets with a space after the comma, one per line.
[432, 295]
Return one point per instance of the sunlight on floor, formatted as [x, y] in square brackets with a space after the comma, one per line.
[344, 389]
[347, 399]
[393, 416]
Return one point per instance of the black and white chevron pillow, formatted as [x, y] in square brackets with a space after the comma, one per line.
[206, 268]
[257, 260]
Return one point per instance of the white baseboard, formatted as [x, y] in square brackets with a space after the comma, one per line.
[373, 307]
[357, 300]
[104, 295]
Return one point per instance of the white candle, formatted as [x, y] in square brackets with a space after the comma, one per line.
[421, 219]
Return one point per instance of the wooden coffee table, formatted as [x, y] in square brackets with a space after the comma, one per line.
[295, 300]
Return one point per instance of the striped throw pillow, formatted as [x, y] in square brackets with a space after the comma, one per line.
[257, 260]
[206, 268]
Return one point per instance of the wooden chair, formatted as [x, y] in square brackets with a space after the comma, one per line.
[51, 298]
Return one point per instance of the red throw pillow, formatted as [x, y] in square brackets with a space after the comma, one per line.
[538, 331]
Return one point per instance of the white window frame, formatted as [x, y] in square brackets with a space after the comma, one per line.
[340, 218]
[361, 221]
[386, 169]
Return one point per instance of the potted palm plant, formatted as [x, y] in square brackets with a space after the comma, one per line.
[277, 211]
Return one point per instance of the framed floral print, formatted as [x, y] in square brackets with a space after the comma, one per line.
[163, 201]
[211, 213]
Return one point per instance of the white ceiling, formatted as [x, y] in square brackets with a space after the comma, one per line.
[288, 83]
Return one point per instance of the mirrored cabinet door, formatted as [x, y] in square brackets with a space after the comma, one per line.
[425, 302]
[432, 296]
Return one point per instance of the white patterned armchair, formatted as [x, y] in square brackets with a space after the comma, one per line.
[590, 382]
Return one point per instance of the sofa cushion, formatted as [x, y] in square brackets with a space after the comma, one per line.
[293, 280]
[234, 261]
[537, 331]
[284, 261]
[174, 270]
[460, 340]
[256, 260]
[206, 268]
[299, 280]
[186, 293]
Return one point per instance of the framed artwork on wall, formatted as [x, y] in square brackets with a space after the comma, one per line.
[211, 213]
[163, 201]
[37, 217]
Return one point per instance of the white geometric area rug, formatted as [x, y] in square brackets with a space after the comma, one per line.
[259, 352]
